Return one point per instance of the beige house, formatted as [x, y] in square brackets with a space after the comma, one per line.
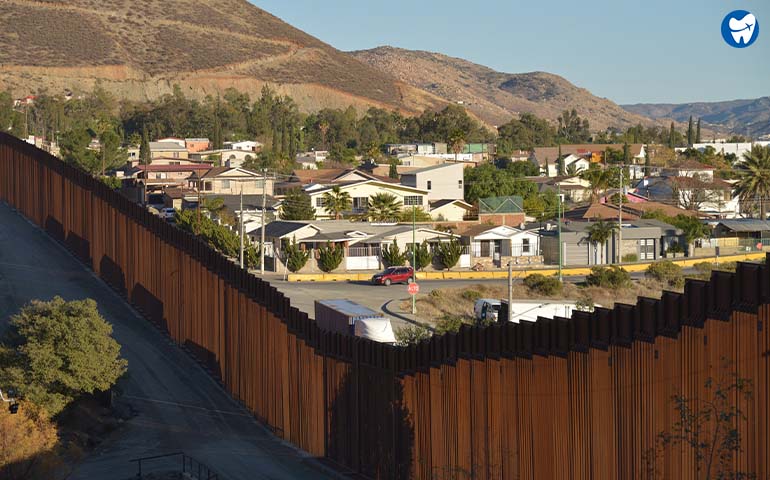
[450, 210]
[232, 181]
[168, 150]
[361, 191]
[443, 182]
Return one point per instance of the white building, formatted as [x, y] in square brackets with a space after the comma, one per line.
[246, 145]
[443, 182]
[737, 149]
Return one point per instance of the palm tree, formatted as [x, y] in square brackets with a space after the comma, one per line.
[457, 142]
[598, 179]
[573, 170]
[384, 207]
[599, 234]
[754, 178]
[336, 202]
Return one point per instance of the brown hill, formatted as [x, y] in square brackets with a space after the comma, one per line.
[140, 49]
[493, 96]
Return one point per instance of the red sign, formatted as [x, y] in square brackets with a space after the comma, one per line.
[413, 289]
[759, 246]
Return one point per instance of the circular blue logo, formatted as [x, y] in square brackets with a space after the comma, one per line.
[740, 29]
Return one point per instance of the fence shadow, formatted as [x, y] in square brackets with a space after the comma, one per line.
[112, 273]
[149, 305]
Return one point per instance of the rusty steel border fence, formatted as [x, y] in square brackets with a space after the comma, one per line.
[585, 397]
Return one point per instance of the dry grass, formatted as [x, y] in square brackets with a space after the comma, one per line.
[444, 302]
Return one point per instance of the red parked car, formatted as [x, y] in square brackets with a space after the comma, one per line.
[394, 275]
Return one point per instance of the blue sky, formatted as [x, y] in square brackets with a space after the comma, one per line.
[663, 51]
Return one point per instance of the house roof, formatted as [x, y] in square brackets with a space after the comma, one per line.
[477, 230]
[665, 228]
[597, 211]
[325, 175]
[173, 168]
[746, 225]
[499, 205]
[167, 146]
[431, 168]
[280, 228]
[179, 193]
[691, 164]
[436, 204]
[397, 186]
[541, 154]
[217, 171]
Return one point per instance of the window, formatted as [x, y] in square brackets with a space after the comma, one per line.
[460, 184]
[430, 184]
[176, 154]
[206, 186]
[647, 249]
[226, 184]
[174, 163]
[525, 246]
[414, 200]
[320, 202]
[260, 184]
[360, 204]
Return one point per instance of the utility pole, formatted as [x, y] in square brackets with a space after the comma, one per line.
[510, 291]
[240, 226]
[414, 258]
[558, 226]
[262, 235]
[620, 217]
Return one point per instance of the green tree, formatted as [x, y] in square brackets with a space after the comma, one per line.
[415, 213]
[392, 256]
[296, 257]
[525, 133]
[112, 153]
[598, 180]
[297, 206]
[384, 207]
[58, 351]
[144, 148]
[337, 202]
[74, 150]
[251, 254]
[572, 128]
[393, 171]
[647, 163]
[599, 233]
[449, 253]
[672, 136]
[422, 255]
[330, 256]
[697, 132]
[753, 173]
[690, 133]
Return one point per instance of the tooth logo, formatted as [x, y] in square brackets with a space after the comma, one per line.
[740, 29]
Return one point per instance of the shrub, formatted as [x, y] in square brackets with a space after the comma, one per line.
[609, 277]
[667, 272]
[630, 258]
[436, 293]
[60, 351]
[330, 256]
[422, 255]
[296, 258]
[411, 335]
[675, 248]
[449, 324]
[471, 295]
[585, 303]
[392, 255]
[538, 283]
[449, 253]
[251, 256]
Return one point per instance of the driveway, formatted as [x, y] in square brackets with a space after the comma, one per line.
[180, 408]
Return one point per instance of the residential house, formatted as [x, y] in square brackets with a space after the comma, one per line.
[231, 181]
[593, 152]
[724, 148]
[450, 210]
[605, 210]
[168, 149]
[310, 160]
[245, 145]
[362, 242]
[643, 240]
[405, 149]
[194, 145]
[520, 155]
[309, 179]
[160, 176]
[714, 197]
[252, 209]
[361, 191]
[225, 157]
[178, 141]
[180, 198]
[690, 168]
[573, 189]
[479, 151]
[746, 228]
[443, 182]
[494, 247]
[426, 160]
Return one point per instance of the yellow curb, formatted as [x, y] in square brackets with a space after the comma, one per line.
[502, 274]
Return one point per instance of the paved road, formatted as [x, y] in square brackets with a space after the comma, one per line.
[179, 407]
